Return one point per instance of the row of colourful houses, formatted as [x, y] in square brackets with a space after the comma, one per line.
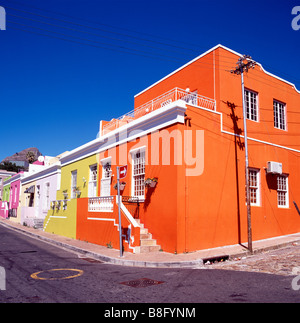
[184, 147]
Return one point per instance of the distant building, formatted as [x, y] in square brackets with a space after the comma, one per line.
[4, 198]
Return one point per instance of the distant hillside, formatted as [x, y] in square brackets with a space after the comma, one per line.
[20, 158]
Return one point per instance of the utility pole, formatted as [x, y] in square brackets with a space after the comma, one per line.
[119, 211]
[243, 65]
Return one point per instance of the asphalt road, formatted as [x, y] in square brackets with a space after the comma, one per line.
[38, 272]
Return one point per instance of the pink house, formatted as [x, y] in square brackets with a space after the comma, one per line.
[14, 196]
[4, 196]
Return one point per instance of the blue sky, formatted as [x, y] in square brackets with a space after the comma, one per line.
[67, 64]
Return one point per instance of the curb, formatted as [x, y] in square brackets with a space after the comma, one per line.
[107, 259]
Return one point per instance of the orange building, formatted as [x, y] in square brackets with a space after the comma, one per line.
[185, 137]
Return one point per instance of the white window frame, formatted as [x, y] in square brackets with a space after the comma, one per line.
[279, 111]
[105, 188]
[283, 189]
[93, 176]
[251, 101]
[138, 174]
[46, 194]
[254, 187]
[73, 183]
[15, 194]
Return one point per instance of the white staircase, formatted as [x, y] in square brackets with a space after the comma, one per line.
[147, 244]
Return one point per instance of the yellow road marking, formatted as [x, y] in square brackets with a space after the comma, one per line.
[35, 275]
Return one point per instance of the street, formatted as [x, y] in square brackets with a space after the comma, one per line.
[38, 272]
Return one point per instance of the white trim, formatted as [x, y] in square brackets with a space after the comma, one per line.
[102, 219]
[43, 173]
[105, 160]
[57, 217]
[107, 145]
[135, 150]
[155, 120]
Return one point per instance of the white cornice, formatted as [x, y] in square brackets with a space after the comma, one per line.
[160, 118]
[45, 172]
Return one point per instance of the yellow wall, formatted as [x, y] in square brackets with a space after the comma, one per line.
[63, 222]
[24, 197]
[83, 170]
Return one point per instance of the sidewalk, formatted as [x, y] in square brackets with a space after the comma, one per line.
[154, 259]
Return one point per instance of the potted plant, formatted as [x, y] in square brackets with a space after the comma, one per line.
[122, 186]
[77, 191]
[151, 182]
[53, 205]
[58, 205]
[65, 194]
[65, 204]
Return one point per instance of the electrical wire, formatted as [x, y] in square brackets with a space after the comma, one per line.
[106, 25]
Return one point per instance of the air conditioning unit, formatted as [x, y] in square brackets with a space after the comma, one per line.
[274, 168]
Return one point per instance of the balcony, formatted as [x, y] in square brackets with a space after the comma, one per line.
[161, 101]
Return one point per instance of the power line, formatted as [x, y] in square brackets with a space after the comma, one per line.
[99, 29]
[84, 41]
[91, 45]
[106, 25]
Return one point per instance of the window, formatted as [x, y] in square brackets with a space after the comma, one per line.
[73, 184]
[282, 191]
[254, 186]
[251, 105]
[106, 177]
[138, 173]
[93, 181]
[46, 200]
[15, 193]
[279, 115]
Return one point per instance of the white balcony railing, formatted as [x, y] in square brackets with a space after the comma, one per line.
[101, 204]
[159, 102]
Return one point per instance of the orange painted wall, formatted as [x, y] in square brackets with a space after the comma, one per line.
[103, 232]
[191, 213]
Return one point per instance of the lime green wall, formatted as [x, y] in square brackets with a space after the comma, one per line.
[63, 222]
[6, 192]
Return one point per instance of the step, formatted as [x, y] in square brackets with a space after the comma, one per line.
[144, 231]
[148, 242]
[146, 249]
[38, 223]
[145, 235]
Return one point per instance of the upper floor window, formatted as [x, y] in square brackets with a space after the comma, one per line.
[279, 115]
[251, 105]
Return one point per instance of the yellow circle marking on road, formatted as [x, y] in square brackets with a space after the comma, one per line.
[35, 275]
